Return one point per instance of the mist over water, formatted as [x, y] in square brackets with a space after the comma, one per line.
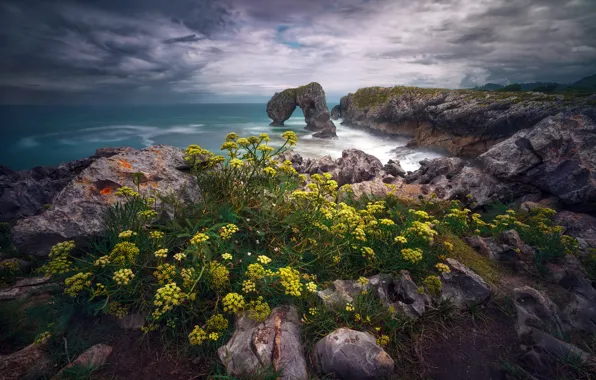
[39, 136]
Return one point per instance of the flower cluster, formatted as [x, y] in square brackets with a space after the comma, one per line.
[433, 285]
[217, 322]
[367, 253]
[219, 275]
[255, 271]
[258, 310]
[156, 235]
[412, 255]
[443, 268]
[127, 192]
[422, 230]
[227, 231]
[233, 303]
[311, 287]
[117, 309]
[197, 336]
[59, 262]
[249, 286]
[165, 273]
[43, 337]
[123, 276]
[166, 298]
[102, 261]
[124, 252]
[226, 256]
[75, 284]
[199, 238]
[383, 340]
[263, 259]
[290, 280]
[126, 234]
[161, 253]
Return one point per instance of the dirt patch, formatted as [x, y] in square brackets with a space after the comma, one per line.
[473, 347]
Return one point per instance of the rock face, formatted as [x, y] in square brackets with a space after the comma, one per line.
[353, 166]
[336, 112]
[275, 343]
[28, 287]
[31, 362]
[509, 248]
[26, 193]
[580, 226]
[558, 156]
[78, 210]
[347, 354]
[465, 122]
[94, 357]
[311, 99]
[462, 286]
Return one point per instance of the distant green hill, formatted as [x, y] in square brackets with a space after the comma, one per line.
[588, 82]
[582, 87]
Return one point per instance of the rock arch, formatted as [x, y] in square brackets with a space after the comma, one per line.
[311, 99]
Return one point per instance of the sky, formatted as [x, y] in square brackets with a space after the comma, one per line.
[173, 51]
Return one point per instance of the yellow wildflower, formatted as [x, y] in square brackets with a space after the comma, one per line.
[123, 276]
[197, 336]
[263, 259]
[233, 303]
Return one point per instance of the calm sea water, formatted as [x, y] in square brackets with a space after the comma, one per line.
[49, 135]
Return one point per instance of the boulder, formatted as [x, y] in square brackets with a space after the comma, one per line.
[32, 362]
[94, 357]
[462, 286]
[348, 354]
[341, 293]
[29, 192]
[275, 343]
[558, 156]
[353, 166]
[431, 169]
[394, 168]
[311, 99]
[580, 226]
[78, 211]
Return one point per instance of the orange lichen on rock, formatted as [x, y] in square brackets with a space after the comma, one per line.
[125, 164]
[106, 191]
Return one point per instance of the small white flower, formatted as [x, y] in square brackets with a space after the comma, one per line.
[247, 219]
[257, 241]
[276, 249]
[248, 253]
[273, 204]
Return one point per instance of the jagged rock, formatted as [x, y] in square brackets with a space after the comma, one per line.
[581, 226]
[535, 310]
[558, 156]
[78, 211]
[509, 249]
[311, 99]
[489, 247]
[275, 343]
[93, 357]
[431, 169]
[540, 328]
[27, 287]
[32, 362]
[336, 112]
[462, 286]
[466, 123]
[348, 354]
[26, 193]
[549, 202]
[353, 166]
[394, 168]
[523, 252]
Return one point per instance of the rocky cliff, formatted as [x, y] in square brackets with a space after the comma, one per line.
[465, 122]
[311, 99]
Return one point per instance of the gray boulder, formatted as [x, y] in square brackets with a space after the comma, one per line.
[353, 166]
[348, 354]
[26, 193]
[463, 287]
[27, 287]
[336, 112]
[78, 211]
[93, 357]
[394, 168]
[580, 226]
[32, 362]
[558, 156]
[275, 343]
[311, 99]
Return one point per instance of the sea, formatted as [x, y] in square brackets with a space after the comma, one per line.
[49, 135]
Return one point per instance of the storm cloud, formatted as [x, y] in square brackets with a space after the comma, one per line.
[165, 51]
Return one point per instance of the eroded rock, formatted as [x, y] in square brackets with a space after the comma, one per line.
[311, 99]
[28, 287]
[580, 226]
[275, 343]
[31, 362]
[93, 357]
[462, 286]
[78, 211]
[348, 354]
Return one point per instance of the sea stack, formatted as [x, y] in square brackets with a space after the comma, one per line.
[311, 99]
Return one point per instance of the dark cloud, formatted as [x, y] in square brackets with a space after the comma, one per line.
[189, 50]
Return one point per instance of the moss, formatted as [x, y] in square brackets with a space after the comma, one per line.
[377, 96]
[483, 266]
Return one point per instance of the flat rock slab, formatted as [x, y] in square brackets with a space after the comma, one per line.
[463, 287]
[78, 211]
[29, 363]
[94, 357]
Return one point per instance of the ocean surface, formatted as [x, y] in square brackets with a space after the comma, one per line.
[49, 135]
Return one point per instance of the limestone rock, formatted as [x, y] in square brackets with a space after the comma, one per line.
[311, 99]
[394, 168]
[582, 226]
[275, 343]
[558, 156]
[466, 123]
[28, 287]
[336, 112]
[535, 310]
[401, 293]
[31, 362]
[26, 193]
[462, 286]
[348, 354]
[94, 357]
[342, 292]
[77, 212]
